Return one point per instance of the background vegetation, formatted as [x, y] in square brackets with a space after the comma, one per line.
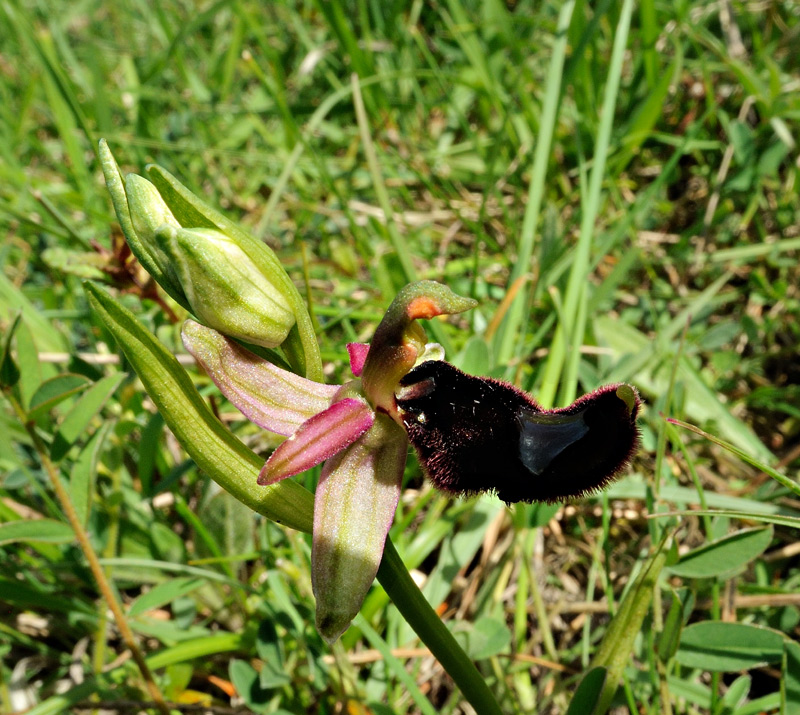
[623, 203]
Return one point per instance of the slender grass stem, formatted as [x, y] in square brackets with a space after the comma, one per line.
[382, 195]
[581, 262]
[507, 336]
[542, 619]
[378, 184]
[106, 590]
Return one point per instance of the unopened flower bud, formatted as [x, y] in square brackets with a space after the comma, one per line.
[229, 279]
[225, 288]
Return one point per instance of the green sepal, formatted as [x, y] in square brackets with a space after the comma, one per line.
[225, 289]
[214, 449]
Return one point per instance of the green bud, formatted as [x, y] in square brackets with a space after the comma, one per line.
[229, 279]
[225, 289]
[226, 282]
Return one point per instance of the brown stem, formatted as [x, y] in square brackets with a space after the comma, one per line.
[91, 556]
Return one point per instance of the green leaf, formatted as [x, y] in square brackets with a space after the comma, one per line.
[82, 264]
[460, 548]
[215, 450]
[728, 647]
[83, 411]
[230, 521]
[736, 694]
[176, 679]
[790, 683]
[474, 358]
[734, 507]
[645, 116]
[488, 637]
[670, 635]
[268, 646]
[149, 447]
[164, 593]
[724, 556]
[770, 160]
[55, 390]
[614, 651]
[588, 692]
[9, 372]
[44, 597]
[245, 679]
[702, 403]
[538, 513]
[202, 648]
[63, 702]
[81, 479]
[47, 530]
[743, 142]
[12, 300]
[790, 484]
[29, 366]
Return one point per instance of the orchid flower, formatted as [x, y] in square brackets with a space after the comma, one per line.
[354, 428]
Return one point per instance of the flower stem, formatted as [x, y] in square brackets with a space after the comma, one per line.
[406, 596]
[91, 557]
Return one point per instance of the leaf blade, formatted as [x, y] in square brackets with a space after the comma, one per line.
[214, 449]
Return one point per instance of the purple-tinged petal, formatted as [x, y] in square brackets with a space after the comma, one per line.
[275, 399]
[358, 356]
[318, 439]
[353, 509]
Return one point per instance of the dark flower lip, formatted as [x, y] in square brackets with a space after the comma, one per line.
[475, 435]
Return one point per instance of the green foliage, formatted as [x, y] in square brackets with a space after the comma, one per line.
[616, 184]
[732, 647]
[725, 556]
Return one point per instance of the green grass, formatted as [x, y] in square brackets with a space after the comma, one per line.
[617, 185]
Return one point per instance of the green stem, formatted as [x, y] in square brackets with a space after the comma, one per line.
[409, 600]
